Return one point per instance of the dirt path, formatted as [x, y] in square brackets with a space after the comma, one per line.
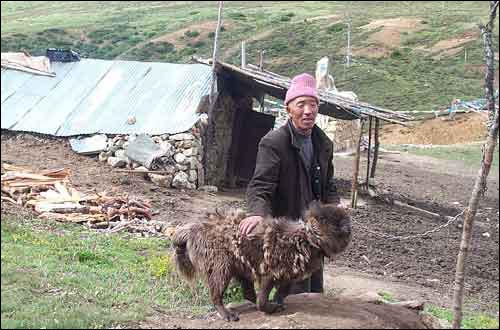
[305, 311]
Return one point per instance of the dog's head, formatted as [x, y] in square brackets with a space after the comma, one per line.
[330, 228]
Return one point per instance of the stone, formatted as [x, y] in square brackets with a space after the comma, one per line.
[103, 156]
[194, 163]
[168, 148]
[188, 152]
[179, 167]
[170, 169]
[119, 143]
[181, 180]
[164, 137]
[120, 154]
[187, 144]
[157, 139]
[193, 176]
[182, 136]
[180, 159]
[161, 180]
[116, 162]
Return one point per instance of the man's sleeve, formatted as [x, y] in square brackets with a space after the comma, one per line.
[332, 196]
[265, 180]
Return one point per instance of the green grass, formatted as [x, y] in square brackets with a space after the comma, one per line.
[406, 80]
[470, 155]
[469, 320]
[63, 276]
[387, 296]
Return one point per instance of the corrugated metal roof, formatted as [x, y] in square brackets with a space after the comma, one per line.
[98, 96]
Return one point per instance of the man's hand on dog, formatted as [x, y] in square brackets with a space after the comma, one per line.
[249, 223]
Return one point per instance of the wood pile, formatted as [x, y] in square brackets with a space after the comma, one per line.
[50, 195]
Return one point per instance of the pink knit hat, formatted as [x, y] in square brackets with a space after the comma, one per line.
[302, 85]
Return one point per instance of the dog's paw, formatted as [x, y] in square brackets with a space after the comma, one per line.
[230, 316]
[271, 308]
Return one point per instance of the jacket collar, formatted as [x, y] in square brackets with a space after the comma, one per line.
[319, 139]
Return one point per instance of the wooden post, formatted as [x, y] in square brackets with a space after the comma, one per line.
[354, 192]
[480, 185]
[368, 156]
[377, 147]
[261, 60]
[214, 58]
[243, 55]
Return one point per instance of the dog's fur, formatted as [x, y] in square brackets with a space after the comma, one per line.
[276, 253]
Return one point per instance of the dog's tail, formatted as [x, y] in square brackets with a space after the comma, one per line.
[183, 264]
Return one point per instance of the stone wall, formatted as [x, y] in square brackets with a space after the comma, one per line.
[181, 165]
[217, 139]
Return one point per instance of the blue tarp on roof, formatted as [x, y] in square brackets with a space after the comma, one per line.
[98, 96]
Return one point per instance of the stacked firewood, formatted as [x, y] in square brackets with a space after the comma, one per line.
[50, 195]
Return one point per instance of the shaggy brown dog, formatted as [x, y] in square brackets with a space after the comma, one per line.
[278, 252]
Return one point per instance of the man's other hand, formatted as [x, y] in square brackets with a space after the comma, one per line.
[248, 224]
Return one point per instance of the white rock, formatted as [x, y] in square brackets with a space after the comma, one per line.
[103, 156]
[181, 180]
[180, 158]
[120, 154]
[182, 136]
[116, 162]
[179, 167]
[487, 235]
[170, 169]
[188, 152]
[161, 180]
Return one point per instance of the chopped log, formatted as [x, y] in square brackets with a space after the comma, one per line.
[63, 217]
[61, 208]
[8, 199]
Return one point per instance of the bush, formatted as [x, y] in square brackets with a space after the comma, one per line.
[335, 28]
[191, 34]
[396, 54]
[285, 18]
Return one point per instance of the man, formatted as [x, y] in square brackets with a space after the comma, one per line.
[294, 167]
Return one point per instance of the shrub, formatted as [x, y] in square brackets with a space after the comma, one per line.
[191, 34]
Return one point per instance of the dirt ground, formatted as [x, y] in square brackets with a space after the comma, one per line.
[467, 127]
[419, 268]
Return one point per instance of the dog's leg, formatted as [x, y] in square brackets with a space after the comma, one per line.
[264, 304]
[217, 284]
[248, 289]
[282, 293]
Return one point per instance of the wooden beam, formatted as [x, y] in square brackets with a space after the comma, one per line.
[354, 190]
[377, 147]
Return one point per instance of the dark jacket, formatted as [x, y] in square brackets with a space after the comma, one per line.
[281, 185]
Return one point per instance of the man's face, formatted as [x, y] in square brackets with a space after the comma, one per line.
[303, 111]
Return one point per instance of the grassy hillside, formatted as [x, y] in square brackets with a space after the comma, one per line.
[418, 64]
